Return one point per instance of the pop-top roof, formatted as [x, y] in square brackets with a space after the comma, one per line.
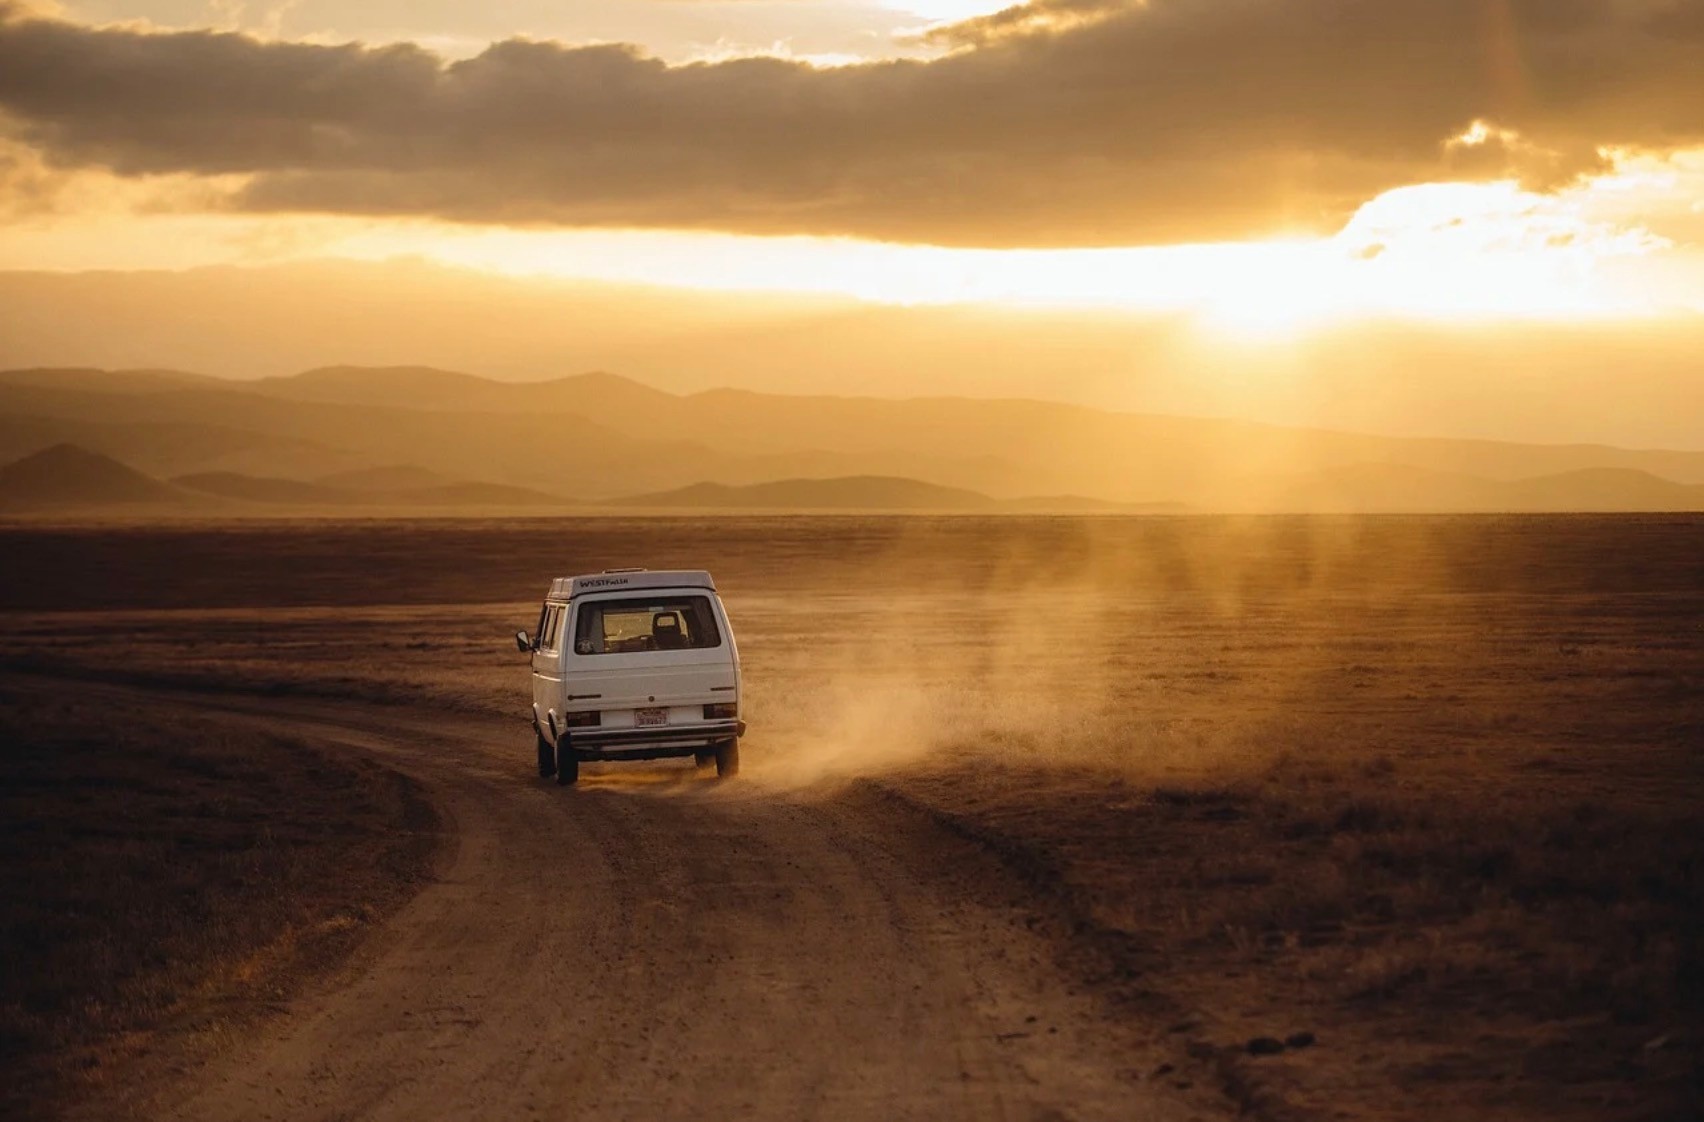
[620, 580]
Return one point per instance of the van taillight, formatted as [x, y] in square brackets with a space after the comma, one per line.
[721, 711]
[586, 718]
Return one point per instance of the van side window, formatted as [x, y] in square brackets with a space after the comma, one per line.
[550, 631]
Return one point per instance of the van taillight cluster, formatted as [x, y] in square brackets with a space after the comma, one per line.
[585, 718]
[721, 711]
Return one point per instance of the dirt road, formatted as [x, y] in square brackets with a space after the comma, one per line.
[656, 945]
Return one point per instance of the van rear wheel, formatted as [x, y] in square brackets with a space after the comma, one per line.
[728, 759]
[546, 759]
[567, 768]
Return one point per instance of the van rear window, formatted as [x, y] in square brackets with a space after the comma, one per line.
[653, 623]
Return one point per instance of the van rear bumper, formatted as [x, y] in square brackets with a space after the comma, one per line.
[647, 744]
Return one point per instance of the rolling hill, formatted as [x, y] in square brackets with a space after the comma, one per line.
[442, 493]
[593, 438]
[865, 492]
[1514, 382]
[980, 431]
[390, 477]
[261, 489]
[1000, 447]
[166, 448]
[1389, 488]
[66, 479]
[471, 495]
[875, 493]
[66, 476]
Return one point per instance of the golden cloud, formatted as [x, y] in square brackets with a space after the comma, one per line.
[1071, 122]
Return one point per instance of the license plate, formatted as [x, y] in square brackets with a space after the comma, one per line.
[650, 718]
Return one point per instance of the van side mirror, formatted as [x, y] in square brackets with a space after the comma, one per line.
[522, 643]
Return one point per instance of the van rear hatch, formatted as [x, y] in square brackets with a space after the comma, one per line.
[650, 659]
[683, 690]
[654, 710]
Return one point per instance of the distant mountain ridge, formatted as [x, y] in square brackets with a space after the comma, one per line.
[875, 493]
[593, 438]
[69, 479]
[865, 492]
[65, 476]
[1634, 381]
[782, 424]
[259, 489]
[389, 477]
[1386, 488]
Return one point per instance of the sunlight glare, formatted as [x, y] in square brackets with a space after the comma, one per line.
[1452, 250]
[1469, 251]
[949, 11]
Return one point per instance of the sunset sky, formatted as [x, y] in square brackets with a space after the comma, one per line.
[1270, 169]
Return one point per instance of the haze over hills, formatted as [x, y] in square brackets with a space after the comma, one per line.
[1633, 384]
[865, 492]
[779, 424]
[594, 438]
[67, 479]
[260, 489]
[1391, 488]
[390, 477]
[876, 493]
[1360, 489]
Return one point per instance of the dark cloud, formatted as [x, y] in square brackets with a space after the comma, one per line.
[1072, 122]
[1683, 18]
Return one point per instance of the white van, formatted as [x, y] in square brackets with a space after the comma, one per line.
[630, 664]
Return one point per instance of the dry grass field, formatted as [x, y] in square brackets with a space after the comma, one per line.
[168, 880]
[1366, 817]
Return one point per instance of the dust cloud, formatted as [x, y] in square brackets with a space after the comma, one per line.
[1139, 648]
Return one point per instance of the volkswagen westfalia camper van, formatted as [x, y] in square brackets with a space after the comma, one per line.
[631, 664]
